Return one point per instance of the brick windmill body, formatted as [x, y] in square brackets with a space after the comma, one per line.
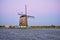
[23, 23]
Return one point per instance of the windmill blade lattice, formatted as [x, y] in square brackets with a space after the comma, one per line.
[31, 16]
[20, 13]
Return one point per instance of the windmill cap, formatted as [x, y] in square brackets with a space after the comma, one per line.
[23, 16]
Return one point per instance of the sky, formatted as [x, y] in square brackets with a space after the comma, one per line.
[46, 12]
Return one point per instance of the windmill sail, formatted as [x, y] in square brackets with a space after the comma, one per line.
[25, 10]
[20, 13]
[30, 16]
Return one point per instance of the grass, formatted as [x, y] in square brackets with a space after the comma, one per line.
[45, 27]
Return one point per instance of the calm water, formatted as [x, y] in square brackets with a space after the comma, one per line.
[29, 34]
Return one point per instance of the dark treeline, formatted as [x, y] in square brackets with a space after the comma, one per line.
[1, 26]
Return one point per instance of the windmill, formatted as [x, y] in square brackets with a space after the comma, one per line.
[23, 18]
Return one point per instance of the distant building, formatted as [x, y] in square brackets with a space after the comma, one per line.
[7, 26]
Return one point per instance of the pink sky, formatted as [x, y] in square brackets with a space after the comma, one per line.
[37, 8]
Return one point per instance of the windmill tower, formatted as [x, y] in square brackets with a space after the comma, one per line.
[23, 18]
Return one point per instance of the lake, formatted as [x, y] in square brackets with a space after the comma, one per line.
[29, 34]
